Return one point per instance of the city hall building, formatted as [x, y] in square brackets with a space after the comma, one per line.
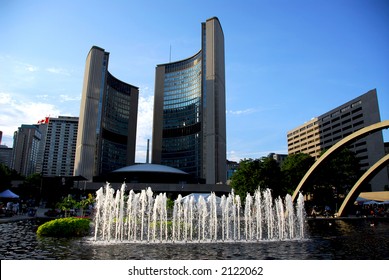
[106, 135]
[322, 132]
[189, 122]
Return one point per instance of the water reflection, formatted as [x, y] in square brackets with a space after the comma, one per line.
[349, 239]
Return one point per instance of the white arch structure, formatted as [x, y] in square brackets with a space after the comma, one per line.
[356, 135]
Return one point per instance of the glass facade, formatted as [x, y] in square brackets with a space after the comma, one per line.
[189, 130]
[114, 125]
[106, 135]
[181, 128]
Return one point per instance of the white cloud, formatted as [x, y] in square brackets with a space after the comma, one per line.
[15, 112]
[241, 112]
[5, 98]
[43, 96]
[30, 68]
[56, 70]
[244, 154]
[64, 98]
[233, 156]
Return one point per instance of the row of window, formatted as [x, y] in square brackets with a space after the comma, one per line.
[184, 64]
[176, 78]
[330, 128]
[332, 133]
[113, 156]
[118, 85]
[334, 117]
[187, 142]
[193, 90]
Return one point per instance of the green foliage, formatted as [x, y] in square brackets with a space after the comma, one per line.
[246, 178]
[270, 176]
[294, 168]
[87, 201]
[335, 177]
[251, 174]
[65, 227]
[169, 203]
[34, 180]
[7, 175]
[331, 180]
[341, 171]
[67, 203]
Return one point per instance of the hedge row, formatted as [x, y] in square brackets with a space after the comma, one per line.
[65, 227]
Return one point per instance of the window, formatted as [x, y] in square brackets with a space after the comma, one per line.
[356, 103]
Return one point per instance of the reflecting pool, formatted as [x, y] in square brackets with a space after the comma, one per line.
[325, 239]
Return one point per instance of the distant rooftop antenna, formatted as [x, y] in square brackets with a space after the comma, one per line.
[170, 55]
[148, 148]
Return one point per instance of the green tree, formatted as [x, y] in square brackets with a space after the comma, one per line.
[32, 187]
[254, 173]
[270, 176]
[85, 203]
[67, 203]
[7, 175]
[339, 172]
[293, 170]
[334, 177]
[246, 179]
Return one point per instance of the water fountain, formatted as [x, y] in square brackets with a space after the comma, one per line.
[143, 217]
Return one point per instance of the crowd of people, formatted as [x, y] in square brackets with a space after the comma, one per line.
[11, 208]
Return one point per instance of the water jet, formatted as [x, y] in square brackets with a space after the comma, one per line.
[143, 217]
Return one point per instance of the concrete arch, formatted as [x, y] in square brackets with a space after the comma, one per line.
[370, 173]
[352, 137]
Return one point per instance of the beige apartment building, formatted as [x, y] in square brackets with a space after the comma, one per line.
[322, 132]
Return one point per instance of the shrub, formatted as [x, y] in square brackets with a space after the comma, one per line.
[65, 227]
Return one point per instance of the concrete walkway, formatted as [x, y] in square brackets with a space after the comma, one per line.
[40, 213]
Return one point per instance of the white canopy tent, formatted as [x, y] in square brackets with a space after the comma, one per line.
[370, 202]
[196, 197]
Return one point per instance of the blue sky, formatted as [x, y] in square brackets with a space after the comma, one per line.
[286, 61]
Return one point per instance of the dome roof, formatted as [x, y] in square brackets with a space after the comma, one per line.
[150, 168]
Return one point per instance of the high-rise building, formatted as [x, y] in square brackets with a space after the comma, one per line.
[26, 149]
[6, 155]
[189, 125]
[322, 132]
[108, 117]
[279, 158]
[232, 167]
[59, 138]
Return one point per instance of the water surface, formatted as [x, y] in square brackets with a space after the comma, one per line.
[337, 239]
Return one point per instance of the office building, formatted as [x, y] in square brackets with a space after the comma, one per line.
[279, 158]
[106, 135]
[232, 167]
[5, 155]
[26, 149]
[189, 123]
[322, 132]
